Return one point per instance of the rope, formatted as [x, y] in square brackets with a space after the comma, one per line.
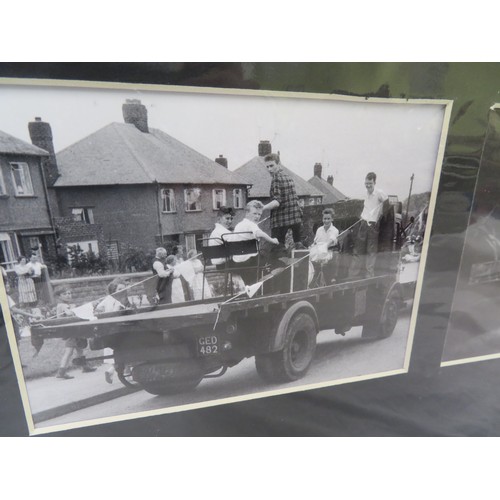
[122, 290]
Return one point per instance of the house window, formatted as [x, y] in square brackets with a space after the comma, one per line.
[22, 179]
[3, 191]
[7, 255]
[167, 200]
[238, 198]
[190, 242]
[311, 201]
[219, 197]
[301, 202]
[83, 215]
[192, 199]
[318, 200]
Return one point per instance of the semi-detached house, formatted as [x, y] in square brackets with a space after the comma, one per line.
[25, 215]
[142, 187]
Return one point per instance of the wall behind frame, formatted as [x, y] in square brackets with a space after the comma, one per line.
[473, 87]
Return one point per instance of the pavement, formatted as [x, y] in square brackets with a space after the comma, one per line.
[51, 397]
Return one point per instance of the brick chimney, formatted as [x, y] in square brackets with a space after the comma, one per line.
[318, 169]
[265, 148]
[136, 113]
[41, 136]
[221, 161]
[329, 179]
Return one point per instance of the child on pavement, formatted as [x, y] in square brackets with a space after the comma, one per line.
[72, 345]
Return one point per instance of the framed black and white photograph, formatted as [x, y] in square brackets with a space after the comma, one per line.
[169, 248]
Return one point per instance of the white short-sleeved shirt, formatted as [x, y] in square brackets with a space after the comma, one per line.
[328, 237]
[250, 228]
[372, 209]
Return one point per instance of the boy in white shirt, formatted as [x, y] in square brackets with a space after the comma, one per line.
[322, 254]
[222, 228]
[249, 230]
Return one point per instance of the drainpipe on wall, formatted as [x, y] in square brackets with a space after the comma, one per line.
[158, 198]
[50, 288]
[49, 209]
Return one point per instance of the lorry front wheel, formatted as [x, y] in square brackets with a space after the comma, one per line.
[292, 362]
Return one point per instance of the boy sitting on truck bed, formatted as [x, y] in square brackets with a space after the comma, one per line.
[249, 230]
[322, 253]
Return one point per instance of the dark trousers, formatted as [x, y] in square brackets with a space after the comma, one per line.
[365, 250]
[249, 276]
[280, 232]
[329, 270]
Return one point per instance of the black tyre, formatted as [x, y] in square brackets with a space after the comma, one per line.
[293, 361]
[387, 320]
[390, 314]
[169, 377]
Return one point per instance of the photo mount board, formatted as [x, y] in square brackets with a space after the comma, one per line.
[361, 106]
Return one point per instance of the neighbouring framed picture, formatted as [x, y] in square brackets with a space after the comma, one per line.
[169, 248]
[473, 328]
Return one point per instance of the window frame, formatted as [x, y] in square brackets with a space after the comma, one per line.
[87, 213]
[240, 190]
[8, 251]
[3, 187]
[198, 201]
[172, 202]
[26, 177]
[214, 199]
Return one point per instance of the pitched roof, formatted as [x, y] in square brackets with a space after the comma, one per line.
[254, 171]
[330, 194]
[121, 154]
[12, 145]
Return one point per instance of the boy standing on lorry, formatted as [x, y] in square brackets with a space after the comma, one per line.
[366, 239]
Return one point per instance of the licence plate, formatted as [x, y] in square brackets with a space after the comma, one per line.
[208, 346]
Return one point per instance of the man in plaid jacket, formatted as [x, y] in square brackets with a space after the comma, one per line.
[284, 205]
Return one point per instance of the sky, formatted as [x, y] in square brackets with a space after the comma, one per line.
[348, 138]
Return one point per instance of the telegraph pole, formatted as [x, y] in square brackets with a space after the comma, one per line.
[409, 196]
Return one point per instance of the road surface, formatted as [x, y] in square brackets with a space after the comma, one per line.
[337, 358]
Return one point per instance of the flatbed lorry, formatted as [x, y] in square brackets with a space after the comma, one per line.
[171, 348]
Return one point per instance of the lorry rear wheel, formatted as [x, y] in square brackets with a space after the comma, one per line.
[388, 318]
[292, 362]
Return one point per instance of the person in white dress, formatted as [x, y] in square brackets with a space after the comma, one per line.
[199, 284]
[177, 288]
